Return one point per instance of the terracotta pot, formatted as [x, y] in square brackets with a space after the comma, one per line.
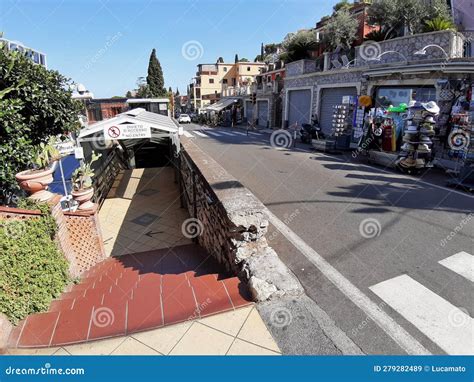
[36, 183]
[83, 197]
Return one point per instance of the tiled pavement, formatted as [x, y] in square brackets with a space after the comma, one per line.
[120, 300]
[142, 212]
[134, 293]
[238, 332]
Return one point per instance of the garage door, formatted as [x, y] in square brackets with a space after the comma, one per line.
[248, 110]
[262, 113]
[299, 106]
[330, 98]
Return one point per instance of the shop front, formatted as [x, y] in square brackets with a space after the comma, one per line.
[421, 125]
[225, 112]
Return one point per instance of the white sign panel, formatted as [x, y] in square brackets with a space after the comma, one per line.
[79, 153]
[65, 148]
[127, 132]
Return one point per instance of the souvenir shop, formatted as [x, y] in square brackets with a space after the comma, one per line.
[416, 127]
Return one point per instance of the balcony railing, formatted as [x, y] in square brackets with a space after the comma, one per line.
[243, 90]
[268, 88]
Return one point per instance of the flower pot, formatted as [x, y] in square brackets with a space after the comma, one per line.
[83, 197]
[36, 182]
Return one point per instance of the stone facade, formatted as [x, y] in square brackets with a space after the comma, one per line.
[320, 79]
[233, 224]
[397, 51]
[405, 48]
[300, 67]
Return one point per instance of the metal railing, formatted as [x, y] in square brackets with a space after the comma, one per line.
[106, 174]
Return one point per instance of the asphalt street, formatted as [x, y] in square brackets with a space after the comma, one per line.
[387, 257]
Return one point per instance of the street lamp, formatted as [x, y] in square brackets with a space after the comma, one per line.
[422, 52]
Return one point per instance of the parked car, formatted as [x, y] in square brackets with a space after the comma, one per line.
[184, 118]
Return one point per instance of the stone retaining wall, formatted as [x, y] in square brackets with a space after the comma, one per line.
[232, 224]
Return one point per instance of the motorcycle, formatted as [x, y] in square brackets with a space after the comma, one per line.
[311, 131]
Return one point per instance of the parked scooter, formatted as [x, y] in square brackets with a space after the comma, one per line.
[311, 131]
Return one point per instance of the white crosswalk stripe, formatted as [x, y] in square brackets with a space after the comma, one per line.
[213, 133]
[462, 263]
[206, 132]
[450, 327]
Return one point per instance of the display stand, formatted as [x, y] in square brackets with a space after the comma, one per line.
[343, 116]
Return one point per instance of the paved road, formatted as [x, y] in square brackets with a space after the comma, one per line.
[388, 257]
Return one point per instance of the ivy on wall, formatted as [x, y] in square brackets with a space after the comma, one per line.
[33, 271]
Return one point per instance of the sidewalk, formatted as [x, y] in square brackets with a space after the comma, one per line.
[142, 212]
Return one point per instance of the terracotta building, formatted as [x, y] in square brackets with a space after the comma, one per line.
[104, 108]
[359, 10]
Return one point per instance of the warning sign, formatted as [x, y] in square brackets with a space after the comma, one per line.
[127, 132]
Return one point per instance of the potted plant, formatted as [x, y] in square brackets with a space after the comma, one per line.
[35, 181]
[82, 184]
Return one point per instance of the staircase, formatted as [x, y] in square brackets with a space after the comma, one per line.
[132, 293]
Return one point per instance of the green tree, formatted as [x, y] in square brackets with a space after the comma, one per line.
[298, 46]
[344, 4]
[236, 58]
[341, 30]
[405, 17]
[35, 104]
[128, 94]
[154, 80]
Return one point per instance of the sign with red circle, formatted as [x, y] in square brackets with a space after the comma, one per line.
[113, 132]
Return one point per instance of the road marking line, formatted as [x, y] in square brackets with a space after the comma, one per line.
[239, 132]
[259, 134]
[462, 263]
[213, 133]
[187, 134]
[406, 341]
[446, 325]
[200, 134]
[226, 133]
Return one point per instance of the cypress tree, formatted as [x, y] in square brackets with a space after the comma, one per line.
[236, 58]
[155, 79]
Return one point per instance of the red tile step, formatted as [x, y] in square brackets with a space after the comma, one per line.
[145, 309]
[134, 293]
[211, 295]
[38, 330]
[178, 299]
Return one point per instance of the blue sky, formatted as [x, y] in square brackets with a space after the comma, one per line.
[105, 44]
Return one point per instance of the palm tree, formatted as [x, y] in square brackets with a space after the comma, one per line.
[439, 24]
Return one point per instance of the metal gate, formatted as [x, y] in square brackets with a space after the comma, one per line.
[299, 106]
[330, 98]
[262, 107]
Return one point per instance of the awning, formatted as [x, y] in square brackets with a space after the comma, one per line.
[130, 128]
[222, 104]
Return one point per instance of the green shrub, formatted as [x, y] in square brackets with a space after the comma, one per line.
[33, 271]
[439, 24]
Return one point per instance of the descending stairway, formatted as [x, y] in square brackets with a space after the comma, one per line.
[133, 293]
